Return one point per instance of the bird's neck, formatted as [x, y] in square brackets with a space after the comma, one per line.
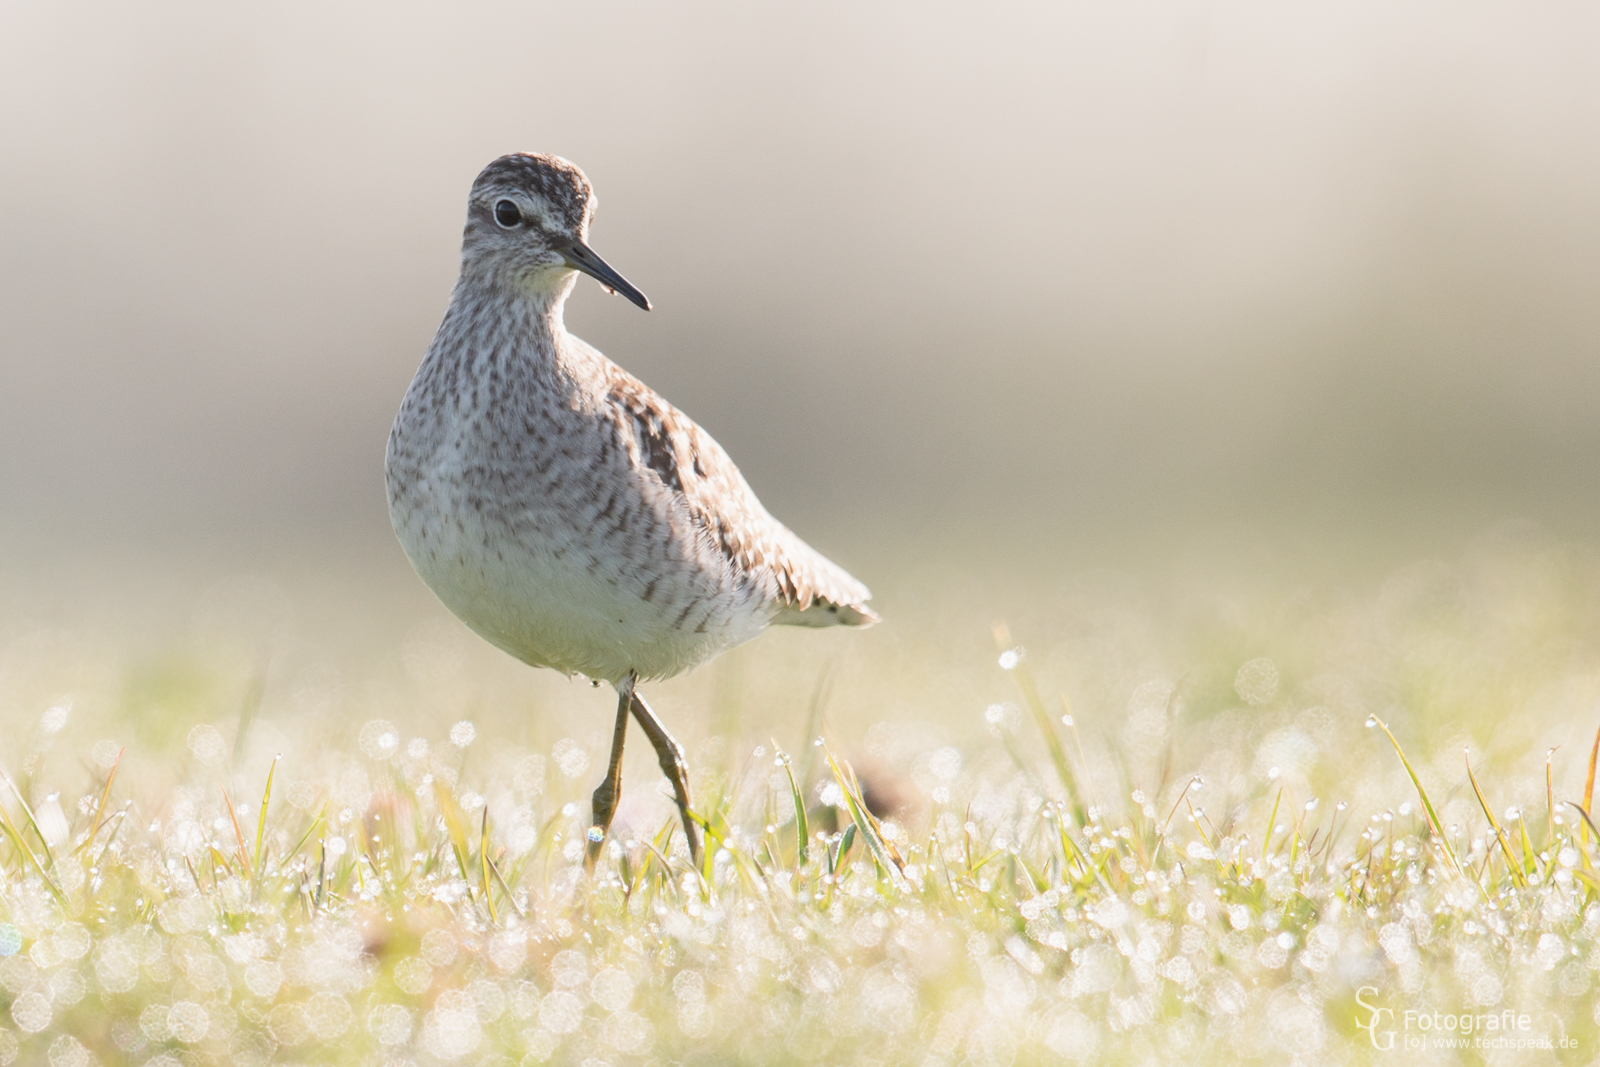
[495, 322]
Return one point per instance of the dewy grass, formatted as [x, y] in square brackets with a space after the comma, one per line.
[1437, 828]
[1025, 937]
[426, 902]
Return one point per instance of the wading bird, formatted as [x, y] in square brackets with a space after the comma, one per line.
[563, 510]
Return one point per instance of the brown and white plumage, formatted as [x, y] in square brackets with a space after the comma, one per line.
[555, 503]
[805, 587]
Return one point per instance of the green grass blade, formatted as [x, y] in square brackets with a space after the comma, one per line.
[1586, 820]
[801, 826]
[99, 819]
[483, 858]
[846, 842]
[50, 855]
[261, 823]
[238, 833]
[871, 832]
[1272, 821]
[504, 888]
[1512, 864]
[298, 845]
[1550, 797]
[22, 846]
[1427, 805]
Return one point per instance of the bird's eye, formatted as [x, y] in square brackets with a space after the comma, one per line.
[507, 214]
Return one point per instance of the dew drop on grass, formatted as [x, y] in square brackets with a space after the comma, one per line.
[1372, 720]
[1257, 682]
[31, 1012]
[207, 744]
[54, 719]
[380, 739]
[439, 947]
[570, 757]
[188, 1021]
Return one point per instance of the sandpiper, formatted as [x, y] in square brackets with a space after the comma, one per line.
[560, 507]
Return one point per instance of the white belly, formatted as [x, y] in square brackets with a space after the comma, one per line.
[537, 584]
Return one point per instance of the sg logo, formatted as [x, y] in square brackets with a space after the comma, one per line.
[1383, 1040]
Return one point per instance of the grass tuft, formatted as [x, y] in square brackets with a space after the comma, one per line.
[1237, 871]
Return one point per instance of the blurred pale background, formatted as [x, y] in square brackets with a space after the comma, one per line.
[1070, 258]
[960, 288]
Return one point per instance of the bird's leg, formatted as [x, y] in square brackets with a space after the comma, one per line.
[673, 766]
[610, 790]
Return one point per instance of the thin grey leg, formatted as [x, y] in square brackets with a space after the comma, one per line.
[604, 802]
[673, 765]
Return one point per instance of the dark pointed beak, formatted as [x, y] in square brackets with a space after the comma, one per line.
[581, 257]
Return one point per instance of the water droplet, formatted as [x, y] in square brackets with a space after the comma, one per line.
[1372, 720]
[54, 719]
[1010, 658]
[596, 835]
[1257, 682]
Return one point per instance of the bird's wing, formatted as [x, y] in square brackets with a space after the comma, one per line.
[809, 589]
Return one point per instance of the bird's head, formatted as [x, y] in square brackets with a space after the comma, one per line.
[527, 224]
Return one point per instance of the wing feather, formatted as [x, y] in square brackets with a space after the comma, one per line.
[807, 588]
